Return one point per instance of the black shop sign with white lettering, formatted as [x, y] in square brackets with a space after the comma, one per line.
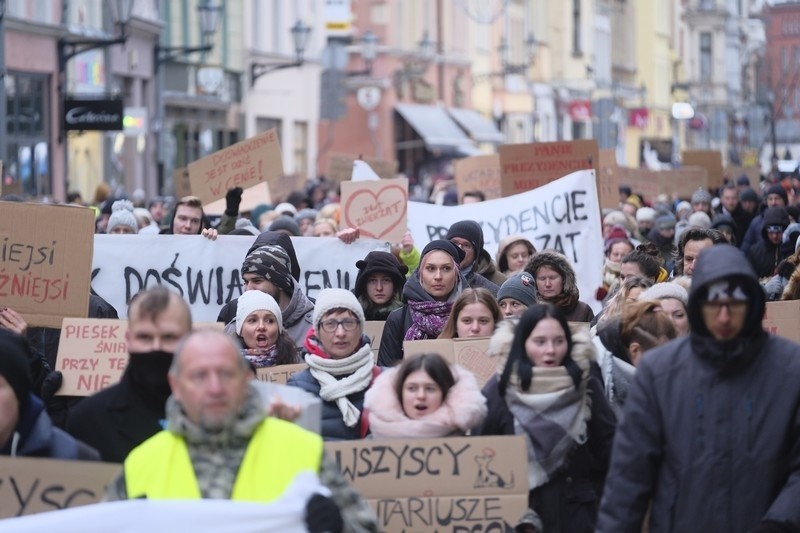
[94, 115]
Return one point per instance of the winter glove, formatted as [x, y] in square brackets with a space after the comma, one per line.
[232, 200]
[323, 516]
[786, 269]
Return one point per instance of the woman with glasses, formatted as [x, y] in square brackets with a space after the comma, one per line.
[340, 364]
[429, 293]
[556, 284]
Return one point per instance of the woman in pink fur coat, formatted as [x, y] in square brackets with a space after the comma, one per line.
[424, 397]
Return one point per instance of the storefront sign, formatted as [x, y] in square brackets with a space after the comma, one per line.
[580, 110]
[93, 115]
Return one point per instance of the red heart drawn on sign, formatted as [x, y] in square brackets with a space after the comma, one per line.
[376, 213]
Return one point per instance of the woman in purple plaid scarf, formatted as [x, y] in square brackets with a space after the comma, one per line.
[429, 294]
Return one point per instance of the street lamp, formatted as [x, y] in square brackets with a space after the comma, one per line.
[69, 47]
[369, 50]
[300, 34]
[531, 45]
[208, 15]
[209, 18]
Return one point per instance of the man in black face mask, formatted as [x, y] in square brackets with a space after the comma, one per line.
[119, 418]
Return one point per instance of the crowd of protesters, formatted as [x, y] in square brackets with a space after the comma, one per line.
[670, 407]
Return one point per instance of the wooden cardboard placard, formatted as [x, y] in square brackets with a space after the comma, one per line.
[470, 353]
[732, 173]
[608, 180]
[29, 486]
[373, 329]
[92, 354]
[280, 373]
[242, 165]
[378, 208]
[640, 180]
[251, 197]
[45, 261]
[682, 182]
[783, 318]
[478, 173]
[527, 166]
[711, 160]
[181, 183]
[340, 167]
[452, 484]
[279, 189]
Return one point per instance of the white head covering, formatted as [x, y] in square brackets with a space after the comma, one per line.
[256, 301]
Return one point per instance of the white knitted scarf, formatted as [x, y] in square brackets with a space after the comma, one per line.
[357, 370]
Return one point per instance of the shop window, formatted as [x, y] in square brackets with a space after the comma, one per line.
[28, 131]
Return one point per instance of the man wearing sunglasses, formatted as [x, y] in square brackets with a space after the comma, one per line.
[710, 440]
[766, 255]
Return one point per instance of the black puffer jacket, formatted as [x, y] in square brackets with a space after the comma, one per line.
[711, 433]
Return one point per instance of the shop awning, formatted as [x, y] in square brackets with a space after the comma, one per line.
[478, 127]
[437, 129]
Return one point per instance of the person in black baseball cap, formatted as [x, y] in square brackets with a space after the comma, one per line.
[379, 284]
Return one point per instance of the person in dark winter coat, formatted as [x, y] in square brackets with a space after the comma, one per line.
[662, 235]
[379, 284]
[709, 441]
[25, 428]
[429, 292]
[765, 255]
[556, 284]
[548, 394]
[340, 365]
[119, 418]
[774, 197]
[477, 265]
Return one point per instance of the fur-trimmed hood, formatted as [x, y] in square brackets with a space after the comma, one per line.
[500, 342]
[502, 246]
[568, 299]
[464, 408]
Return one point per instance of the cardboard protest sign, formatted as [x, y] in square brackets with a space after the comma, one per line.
[711, 160]
[29, 486]
[451, 484]
[640, 180]
[92, 354]
[469, 353]
[563, 215]
[682, 182]
[608, 179]
[242, 165]
[732, 173]
[207, 273]
[377, 208]
[45, 261]
[783, 318]
[340, 167]
[478, 173]
[373, 329]
[181, 183]
[281, 187]
[279, 374]
[255, 195]
[524, 167]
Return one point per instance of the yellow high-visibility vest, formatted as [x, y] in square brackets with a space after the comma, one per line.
[160, 468]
